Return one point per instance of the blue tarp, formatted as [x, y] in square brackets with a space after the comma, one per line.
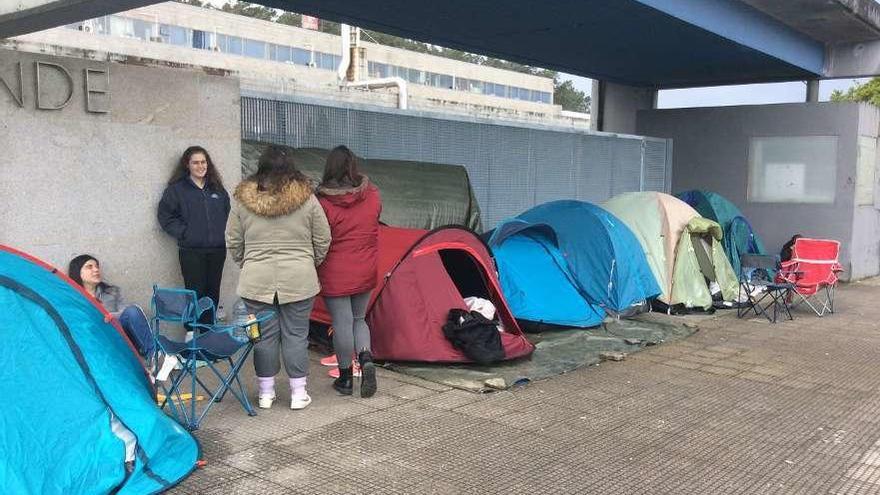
[77, 402]
[535, 278]
[605, 262]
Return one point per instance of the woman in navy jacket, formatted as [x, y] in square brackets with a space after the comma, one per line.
[194, 209]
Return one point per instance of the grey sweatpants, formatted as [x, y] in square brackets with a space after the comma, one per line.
[350, 330]
[289, 331]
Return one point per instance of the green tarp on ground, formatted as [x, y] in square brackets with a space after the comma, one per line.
[556, 352]
[415, 195]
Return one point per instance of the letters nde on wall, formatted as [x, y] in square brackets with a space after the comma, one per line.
[55, 86]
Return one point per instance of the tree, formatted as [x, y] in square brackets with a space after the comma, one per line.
[290, 18]
[250, 10]
[569, 97]
[197, 3]
[868, 92]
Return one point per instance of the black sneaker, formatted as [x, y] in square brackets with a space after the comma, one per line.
[368, 374]
[344, 384]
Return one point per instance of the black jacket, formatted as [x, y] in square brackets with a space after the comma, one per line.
[195, 217]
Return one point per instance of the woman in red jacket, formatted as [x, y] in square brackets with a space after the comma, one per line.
[348, 274]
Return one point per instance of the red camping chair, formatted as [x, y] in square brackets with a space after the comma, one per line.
[813, 270]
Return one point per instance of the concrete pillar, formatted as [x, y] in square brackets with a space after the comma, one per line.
[27, 16]
[813, 91]
[615, 106]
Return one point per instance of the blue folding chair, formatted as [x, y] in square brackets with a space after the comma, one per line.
[212, 344]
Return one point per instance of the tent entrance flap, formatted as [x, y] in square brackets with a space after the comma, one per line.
[465, 273]
[703, 250]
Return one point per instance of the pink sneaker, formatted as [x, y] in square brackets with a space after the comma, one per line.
[329, 361]
[355, 370]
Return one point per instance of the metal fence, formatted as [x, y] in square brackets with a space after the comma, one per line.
[512, 166]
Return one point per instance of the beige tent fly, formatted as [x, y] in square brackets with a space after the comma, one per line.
[684, 250]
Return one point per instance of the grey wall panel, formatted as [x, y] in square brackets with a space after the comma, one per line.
[512, 167]
[656, 172]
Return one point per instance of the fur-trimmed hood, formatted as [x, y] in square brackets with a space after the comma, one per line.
[345, 196]
[265, 204]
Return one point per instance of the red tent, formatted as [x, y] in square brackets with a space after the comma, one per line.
[422, 275]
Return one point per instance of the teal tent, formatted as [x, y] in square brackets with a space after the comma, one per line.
[79, 411]
[739, 236]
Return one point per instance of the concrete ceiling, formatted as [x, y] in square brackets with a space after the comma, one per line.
[649, 43]
[652, 43]
[829, 21]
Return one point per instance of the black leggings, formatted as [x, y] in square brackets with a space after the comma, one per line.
[202, 271]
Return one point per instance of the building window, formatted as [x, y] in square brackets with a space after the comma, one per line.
[233, 45]
[377, 69]
[120, 26]
[254, 49]
[793, 169]
[174, 35]
[302, 57]
[415, 76]
[201, 40]
[282, 54]
[327, 61]
[143, 29]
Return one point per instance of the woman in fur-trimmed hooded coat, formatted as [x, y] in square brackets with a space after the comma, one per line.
[278, 234]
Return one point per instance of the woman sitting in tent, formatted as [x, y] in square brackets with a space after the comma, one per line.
[85, 270]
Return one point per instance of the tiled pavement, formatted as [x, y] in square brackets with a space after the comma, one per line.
[741, 407]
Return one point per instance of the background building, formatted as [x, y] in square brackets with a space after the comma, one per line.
[278, 58]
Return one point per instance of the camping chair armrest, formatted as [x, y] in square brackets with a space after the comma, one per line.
[205, 304]
[264, 316]
[255, 334]
[789, 274]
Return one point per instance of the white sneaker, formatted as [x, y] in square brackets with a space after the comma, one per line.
[300, 403]
[265, 401]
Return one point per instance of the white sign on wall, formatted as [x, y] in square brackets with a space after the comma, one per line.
[785, 181]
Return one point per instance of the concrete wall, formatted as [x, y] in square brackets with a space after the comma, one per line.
[74, 181]
[616, 106]
[866, 218]
[711, 151]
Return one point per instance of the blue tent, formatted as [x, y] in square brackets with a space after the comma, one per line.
[79, 413]
[603, 257]
[535, 278]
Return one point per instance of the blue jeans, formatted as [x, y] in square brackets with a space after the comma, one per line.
[136, 326]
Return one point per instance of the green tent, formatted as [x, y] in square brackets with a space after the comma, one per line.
[739, 237]
[414, 194]
[684, 250]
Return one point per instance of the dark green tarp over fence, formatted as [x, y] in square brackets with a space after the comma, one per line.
[414, 194]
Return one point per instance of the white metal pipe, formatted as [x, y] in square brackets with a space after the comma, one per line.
[345, 34]
[386, 82]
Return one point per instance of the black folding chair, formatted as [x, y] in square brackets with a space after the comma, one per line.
[758, 289]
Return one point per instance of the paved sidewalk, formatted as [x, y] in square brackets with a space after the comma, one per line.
[741, 407]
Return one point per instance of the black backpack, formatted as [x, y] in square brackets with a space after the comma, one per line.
[474, 335]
